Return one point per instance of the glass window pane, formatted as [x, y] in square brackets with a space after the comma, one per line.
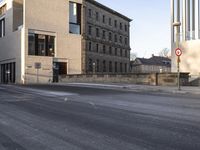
[31, 44]
[41, 45]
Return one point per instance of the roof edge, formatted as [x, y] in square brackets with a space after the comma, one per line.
[110, 10]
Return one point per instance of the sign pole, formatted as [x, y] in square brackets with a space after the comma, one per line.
[178, 53]
[178, 67]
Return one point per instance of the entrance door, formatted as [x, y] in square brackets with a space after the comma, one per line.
[8, 73]
[59, 68]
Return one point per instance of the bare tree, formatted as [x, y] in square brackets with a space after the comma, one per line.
[133, 56]
[165, 52]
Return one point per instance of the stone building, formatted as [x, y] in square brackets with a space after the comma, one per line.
[41, 40]
[107, 39]
[155, 64]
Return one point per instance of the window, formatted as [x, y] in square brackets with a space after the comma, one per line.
[125, 67]
[74, 18]
[104, 66]
[110, 50]
[115, 23]
[90, 65]
[104, 49]
[31, 44]
[110, 36]
[3, 10]
[115, 51]
[115, 66]
[104, 19]
[126, 28]
[110, 21]
[90, 46]
[90, 30]
[97, 16]
[97, 48]
[90, 13]
[126, 53]
[2, 27]
[116, 38]
[121, 67]
[97, 32]
[126, 41]
[104, 34]
[110, 66]
[120, 26]
[98, 66]
[120, 39]
[41, 45]
[121, 52]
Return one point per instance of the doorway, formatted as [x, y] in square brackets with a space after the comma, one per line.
[59, 68]
[8, 73]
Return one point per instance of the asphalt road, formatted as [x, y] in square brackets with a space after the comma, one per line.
[82, 118]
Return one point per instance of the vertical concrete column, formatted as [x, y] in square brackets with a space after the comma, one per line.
[193, 19]
[178, 17]
[188, 20]
[184, 20]
[172, 21]
[197, 19]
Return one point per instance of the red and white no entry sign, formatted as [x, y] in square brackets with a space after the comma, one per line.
[178, 52]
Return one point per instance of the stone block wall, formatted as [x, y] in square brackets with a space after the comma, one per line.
[162, 79]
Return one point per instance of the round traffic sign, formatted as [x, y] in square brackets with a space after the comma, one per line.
[178, 52]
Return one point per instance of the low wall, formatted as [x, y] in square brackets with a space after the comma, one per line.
[163, 79]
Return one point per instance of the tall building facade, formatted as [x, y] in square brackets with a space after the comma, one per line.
[187, 12]
[41, 40]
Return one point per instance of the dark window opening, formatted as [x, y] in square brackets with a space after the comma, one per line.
[97, 48]
[90, 65]
[115, 23]
[74, 18]
[125, 67]
[104, 19]
[116, 38]
[2, 27]
[121, 70]
[120, 26]
[115, 51]
[121, 52]
[110, 36]
[110, 66]
[98, 67]
[110, 21]
[120, 39]
[97, 32]
[104, 34]
[97, 16]
[115, 66]
[90, 46]
[104, 49]
[90, 30]
[8, 72]
[104, 66]
[41, 45]
[90, 13]
[110, 50]
[126, 28]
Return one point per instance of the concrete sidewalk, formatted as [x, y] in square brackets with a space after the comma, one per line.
[141, 88]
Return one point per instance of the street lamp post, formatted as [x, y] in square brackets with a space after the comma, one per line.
[94, 67]
[177, 25]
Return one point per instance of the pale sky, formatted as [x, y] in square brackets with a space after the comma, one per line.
[150, 28]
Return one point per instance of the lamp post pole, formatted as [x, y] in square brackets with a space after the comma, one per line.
[177, 25]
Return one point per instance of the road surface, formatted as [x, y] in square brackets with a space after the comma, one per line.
[84, 118]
